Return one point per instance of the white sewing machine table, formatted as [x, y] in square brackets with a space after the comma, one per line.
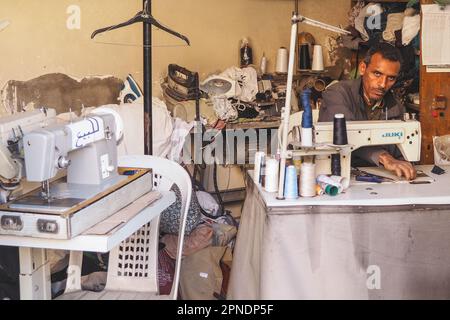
[34, 268]
[377, 241]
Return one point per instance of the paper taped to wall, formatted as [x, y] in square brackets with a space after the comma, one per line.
[435, 35]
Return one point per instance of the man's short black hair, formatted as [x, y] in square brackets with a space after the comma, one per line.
[386, 50]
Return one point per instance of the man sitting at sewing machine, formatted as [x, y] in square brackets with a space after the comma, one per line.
[370, 98]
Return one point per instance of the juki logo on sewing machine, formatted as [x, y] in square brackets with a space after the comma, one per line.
[397, 134]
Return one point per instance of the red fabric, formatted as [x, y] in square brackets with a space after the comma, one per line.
[166, 271]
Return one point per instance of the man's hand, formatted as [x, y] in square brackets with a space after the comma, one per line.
[401, 168]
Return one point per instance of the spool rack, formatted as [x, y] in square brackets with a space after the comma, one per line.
[320, 149]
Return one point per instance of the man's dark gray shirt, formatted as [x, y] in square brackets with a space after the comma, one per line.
[346, 97]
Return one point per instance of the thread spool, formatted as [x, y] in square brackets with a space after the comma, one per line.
[263, 65]
[336, 164]
[341, 182]
[307, 122]
[336, 181]
[291, 183]
[339, 138]
[339, 130]
[329, 189]
[317, 64]
[272, 168]
[308, 179]
[282, 60]
[259, 155]
[305, 58]
[319, 190]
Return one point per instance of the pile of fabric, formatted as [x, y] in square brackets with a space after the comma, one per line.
[207, 248]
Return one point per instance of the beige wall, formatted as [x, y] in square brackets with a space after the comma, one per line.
[38, 42]
[215, 28]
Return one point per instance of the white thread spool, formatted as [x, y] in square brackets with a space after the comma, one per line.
[263, 64]
[317, 64]
[342, 181]
[308, 180]
[272, 169]
[282, 60]
[306, 137]
[336, 181]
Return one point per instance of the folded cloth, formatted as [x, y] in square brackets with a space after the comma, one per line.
[411, 27]
[394, 23]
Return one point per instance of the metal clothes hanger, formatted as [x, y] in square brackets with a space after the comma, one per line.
[147, 20]
[143, 16]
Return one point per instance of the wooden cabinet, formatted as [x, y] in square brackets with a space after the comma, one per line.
[436, 123]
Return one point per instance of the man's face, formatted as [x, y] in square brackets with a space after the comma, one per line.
[378, 76]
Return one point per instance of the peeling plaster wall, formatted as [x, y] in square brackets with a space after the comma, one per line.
[38, 41]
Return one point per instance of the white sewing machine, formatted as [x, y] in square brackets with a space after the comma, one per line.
[12, 129]
[405, 134]
[93, 189]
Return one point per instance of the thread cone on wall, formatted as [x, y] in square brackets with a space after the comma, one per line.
[304, 57]
[317, 64]
[282, 60]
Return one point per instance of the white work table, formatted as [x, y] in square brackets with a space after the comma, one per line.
[35, 270]
[375, 241]
[374, 194]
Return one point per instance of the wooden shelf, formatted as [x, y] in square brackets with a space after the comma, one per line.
[392, 1]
